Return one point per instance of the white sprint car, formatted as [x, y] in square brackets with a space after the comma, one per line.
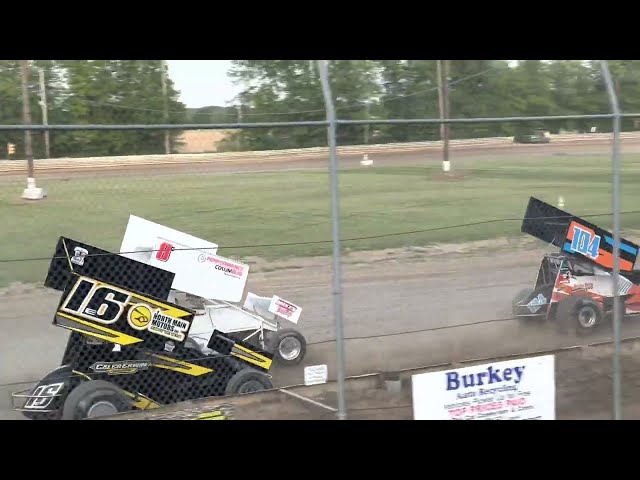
[218, 284]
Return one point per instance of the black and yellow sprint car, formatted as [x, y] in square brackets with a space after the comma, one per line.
[129, 348]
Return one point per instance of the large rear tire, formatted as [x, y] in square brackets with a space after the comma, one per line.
[95, 398]
[248, 380]
[587, 315]
[288, 346]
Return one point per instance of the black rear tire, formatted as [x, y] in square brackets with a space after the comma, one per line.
[248, 380]
[95, 398]
[587, 316]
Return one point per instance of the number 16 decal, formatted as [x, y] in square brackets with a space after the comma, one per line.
[91, 300]
[585, 242]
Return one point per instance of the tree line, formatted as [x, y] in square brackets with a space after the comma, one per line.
[385, 89]
[130, 92]
[90, 92]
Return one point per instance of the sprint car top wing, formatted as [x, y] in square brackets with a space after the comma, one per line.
[72, 256]
[118, 315]
[575, 236]
[198, 269]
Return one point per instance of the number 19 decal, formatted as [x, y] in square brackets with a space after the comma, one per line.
[91, 300]
[585, 242]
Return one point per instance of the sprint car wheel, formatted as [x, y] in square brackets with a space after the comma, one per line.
[587, 316]
[248, 380]
[94, 398]
[289, 346]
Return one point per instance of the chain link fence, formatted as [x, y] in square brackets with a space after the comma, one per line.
[399, 268]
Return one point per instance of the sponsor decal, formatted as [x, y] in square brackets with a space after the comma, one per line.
[228, 268]
[139, 316]
[285, 309]
[168, 326]
[123, 367]
[78, 255]
[142, 317]
[536, 304]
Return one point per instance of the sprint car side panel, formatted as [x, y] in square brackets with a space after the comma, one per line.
[167, 377]
[537, 303]
[598, 288]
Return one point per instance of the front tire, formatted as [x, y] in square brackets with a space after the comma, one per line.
[94, 398]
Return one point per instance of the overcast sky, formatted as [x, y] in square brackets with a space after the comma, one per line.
[202, 83]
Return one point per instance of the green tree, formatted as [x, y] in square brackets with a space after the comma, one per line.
[290, 90]
[110, 92]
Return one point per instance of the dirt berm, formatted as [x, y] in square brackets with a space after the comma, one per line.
[584, 390]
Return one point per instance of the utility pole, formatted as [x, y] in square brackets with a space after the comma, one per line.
[45, 112]
[239, 137]
[366, 127]
[31, 192]
[163, 79]
[443, 103]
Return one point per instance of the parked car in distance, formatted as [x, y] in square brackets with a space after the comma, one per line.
[532, 136]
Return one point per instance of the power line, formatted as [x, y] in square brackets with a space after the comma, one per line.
[318, 242]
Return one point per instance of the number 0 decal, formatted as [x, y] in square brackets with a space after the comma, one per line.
[164, 252]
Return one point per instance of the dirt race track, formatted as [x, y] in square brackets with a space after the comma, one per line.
[459, 156]
[402, 308]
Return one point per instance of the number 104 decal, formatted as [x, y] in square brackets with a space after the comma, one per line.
[585, 242]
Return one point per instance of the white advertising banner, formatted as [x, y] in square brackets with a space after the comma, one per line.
[522, 389]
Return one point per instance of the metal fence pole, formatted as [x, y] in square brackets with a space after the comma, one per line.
[335, 213]
[617, 307]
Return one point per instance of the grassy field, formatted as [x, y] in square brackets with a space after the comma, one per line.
[267, 208]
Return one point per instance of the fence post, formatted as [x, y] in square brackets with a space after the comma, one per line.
[617, 307]
[335, 214]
